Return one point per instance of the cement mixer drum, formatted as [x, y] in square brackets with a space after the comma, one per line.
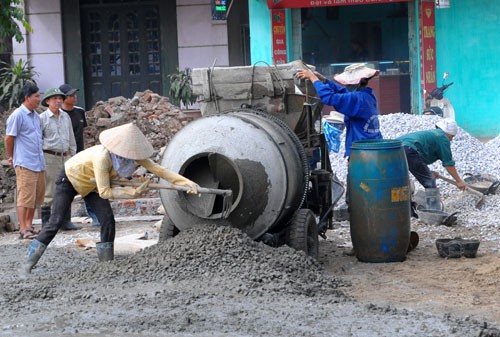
[255, 155]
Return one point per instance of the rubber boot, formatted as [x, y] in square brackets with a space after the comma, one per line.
[45, 210]
[105, 251]
[68, 225]
[33, 254]
[432, 199]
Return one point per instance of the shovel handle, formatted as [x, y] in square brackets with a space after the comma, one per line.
[467, 188]
[170, 187]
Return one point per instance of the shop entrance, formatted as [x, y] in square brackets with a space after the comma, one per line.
[334, 37]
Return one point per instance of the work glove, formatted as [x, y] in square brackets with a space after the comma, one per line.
[143, 187]
[179, 180]
[192, 187]
[130, 192]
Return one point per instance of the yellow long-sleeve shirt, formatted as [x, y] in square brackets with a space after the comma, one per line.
[92, 169]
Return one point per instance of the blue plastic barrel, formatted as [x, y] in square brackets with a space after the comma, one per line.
[379, 200]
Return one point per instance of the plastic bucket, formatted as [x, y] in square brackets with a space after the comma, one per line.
[379, 200]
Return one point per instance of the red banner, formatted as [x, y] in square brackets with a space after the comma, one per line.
[278, 20]
[427, 37]
[324, 3]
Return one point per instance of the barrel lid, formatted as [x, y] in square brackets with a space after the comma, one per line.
[376, 144]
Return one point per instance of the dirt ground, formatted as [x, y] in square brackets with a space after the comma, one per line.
[70, 293]
[466, 287]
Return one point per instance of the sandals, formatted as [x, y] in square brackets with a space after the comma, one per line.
[34, 230]
[27, 234]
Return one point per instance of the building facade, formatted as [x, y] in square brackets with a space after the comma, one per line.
[113, 48]
[412, 42]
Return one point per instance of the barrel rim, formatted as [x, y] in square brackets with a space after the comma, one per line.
[376, 144]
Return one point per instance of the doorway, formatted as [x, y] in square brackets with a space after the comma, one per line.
[121, 50]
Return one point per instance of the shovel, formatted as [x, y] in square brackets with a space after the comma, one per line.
[467, 188]
[227, 201]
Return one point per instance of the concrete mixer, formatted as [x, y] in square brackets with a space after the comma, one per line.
[260, 137]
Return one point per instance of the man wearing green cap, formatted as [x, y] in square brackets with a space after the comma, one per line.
[77, 115]
[58, 146]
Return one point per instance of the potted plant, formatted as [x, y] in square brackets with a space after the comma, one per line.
[12, 80]
[181, 88]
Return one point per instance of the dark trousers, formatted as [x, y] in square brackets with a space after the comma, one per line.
[419, 168]
[61, 205]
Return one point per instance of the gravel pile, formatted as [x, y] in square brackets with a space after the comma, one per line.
[493, 144]
[470, 155]
[225, 258]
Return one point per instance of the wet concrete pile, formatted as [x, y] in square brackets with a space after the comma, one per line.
[209, 282]
[224, 258]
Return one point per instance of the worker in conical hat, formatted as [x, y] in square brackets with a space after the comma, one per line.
[89, 173]
[350, 95]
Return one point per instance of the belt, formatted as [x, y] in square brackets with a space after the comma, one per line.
[63, 154]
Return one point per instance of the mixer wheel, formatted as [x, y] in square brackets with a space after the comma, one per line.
[302, 232]
[168, 229]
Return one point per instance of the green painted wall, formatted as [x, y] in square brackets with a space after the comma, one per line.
[260, 31]
[261, 41]
[467, 46]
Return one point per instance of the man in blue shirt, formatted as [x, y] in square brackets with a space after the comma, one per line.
[23, 142]
[352, 98]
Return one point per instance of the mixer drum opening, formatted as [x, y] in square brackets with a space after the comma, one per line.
[211, 170]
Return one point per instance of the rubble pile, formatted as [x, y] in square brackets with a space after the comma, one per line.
[7, 183]
[157, 118]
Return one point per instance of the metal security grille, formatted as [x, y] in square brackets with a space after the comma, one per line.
[121, 49]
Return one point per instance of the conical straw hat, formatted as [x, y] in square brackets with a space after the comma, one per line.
[127, 141]
[354, 73]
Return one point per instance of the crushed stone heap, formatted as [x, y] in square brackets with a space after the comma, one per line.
[470, 155]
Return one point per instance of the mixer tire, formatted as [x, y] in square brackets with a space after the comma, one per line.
[168, 229]
[302, 233]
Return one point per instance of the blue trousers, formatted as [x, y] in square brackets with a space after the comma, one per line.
[61, 205]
